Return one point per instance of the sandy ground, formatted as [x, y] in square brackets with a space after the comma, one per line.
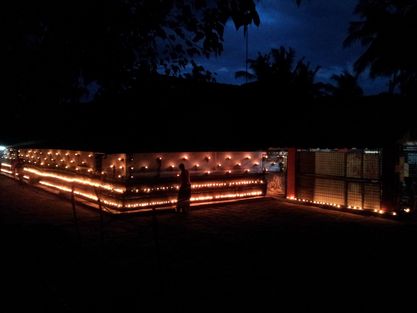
[253, 256]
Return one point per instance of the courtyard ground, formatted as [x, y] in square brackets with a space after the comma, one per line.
[264, 255]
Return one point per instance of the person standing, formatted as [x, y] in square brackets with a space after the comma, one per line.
[184, 193]
[18, 169]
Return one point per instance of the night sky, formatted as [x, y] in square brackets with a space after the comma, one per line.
[315, 30]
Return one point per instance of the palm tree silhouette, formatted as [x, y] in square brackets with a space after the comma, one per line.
[387, 30]
[275, 66]
[277, 70]
[346, 86]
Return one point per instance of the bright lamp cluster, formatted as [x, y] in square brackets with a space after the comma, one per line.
[129, 182]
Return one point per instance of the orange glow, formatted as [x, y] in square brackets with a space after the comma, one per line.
[81, 181]
[219, 188]
[378, 211]
[314, 202]
[80, 193]
[118, 204]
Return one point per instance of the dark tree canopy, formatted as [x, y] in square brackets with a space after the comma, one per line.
[198, 73]
[345, 86]
[54, 50]
[388, 32]
[278, 71]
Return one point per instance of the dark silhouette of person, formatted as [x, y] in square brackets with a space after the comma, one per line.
[158, 167]
[18, 169]
[184, 194]
[281, 166]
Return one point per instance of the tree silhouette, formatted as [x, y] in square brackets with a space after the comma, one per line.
[387, 31]
[304, 80]
[54, 50]
[276, 66]
[199, 73]
[276, 70]
[346, 86]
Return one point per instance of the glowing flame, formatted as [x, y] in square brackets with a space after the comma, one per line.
[81, 181]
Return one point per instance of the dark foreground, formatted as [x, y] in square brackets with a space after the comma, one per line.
[254, 256]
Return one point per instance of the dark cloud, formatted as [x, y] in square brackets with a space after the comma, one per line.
[316, 31]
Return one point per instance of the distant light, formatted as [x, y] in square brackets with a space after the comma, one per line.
[2, 148]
